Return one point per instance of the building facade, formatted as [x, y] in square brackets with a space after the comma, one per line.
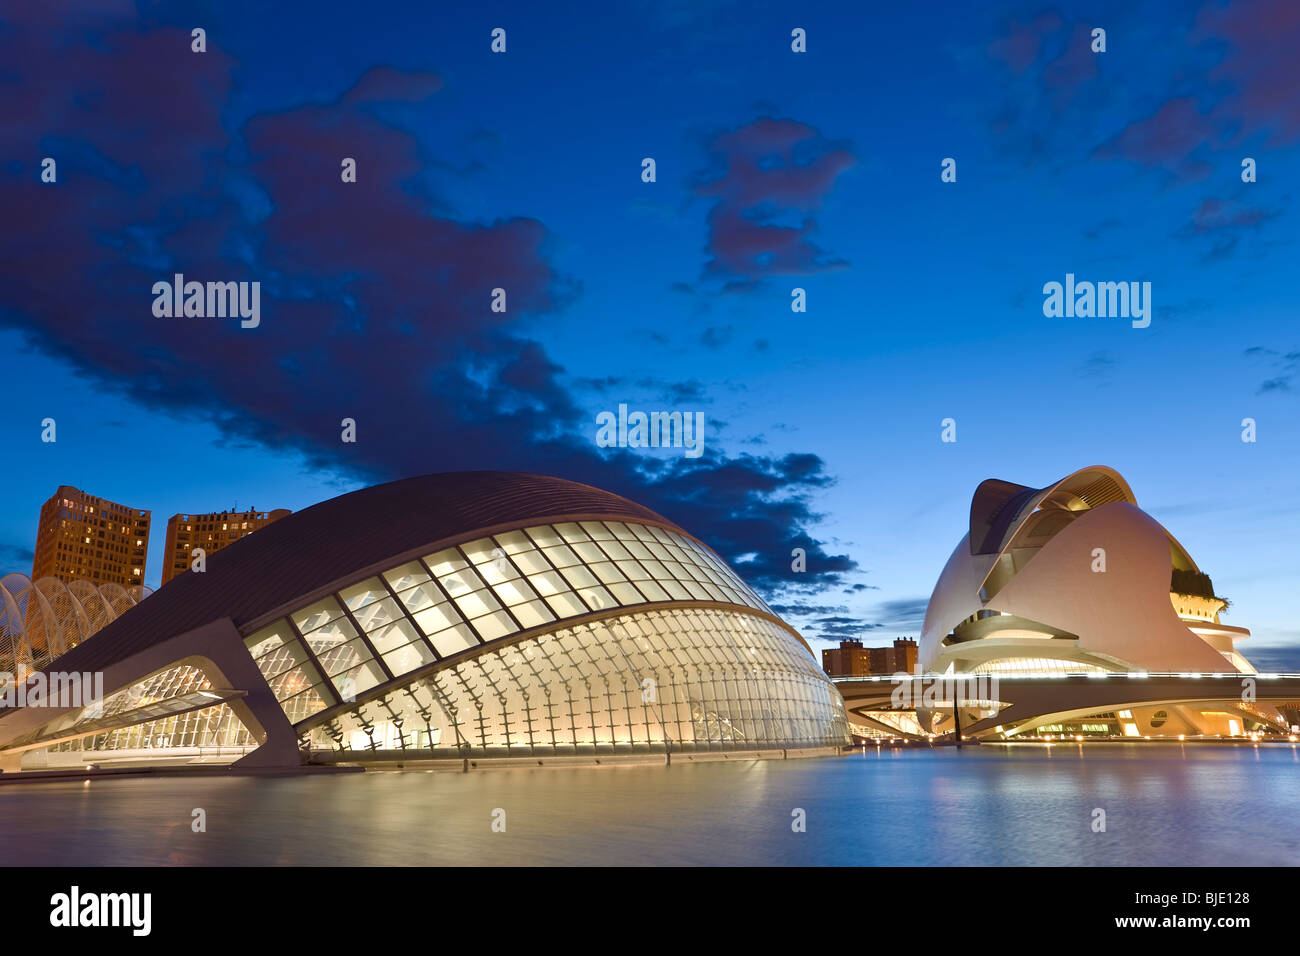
[1074, 578]
[464, 615]
[851, 659]
[210, 533]
[1067, 611]
[81, 537]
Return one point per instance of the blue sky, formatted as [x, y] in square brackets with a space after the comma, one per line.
[775, 170]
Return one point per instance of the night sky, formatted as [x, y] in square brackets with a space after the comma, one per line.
[774, 170]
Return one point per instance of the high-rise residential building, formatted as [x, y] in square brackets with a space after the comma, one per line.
[211, 532]
[83, 537]
[891, 660]
[851, 659]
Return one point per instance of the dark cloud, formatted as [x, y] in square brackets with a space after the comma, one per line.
[1223, 248]
[1049, 99]
[1099, 367]
[1190, 307]
[1095, 231]
[16, 557]
[1276, 660]
[1076, 65]
[900, 613]
[692, 391]
[1259, 68]
[833, 622]
[375, 295]
[717, 336]
[671, 393]
[837, 628]
[1166, 138]
[1286, 366]
[804, 609]
[1214, 215]
[824, 622]
[1020, 40]
[603, 383]
[768, 180]
[1221, 75]
[1249, 90]
[383, 84]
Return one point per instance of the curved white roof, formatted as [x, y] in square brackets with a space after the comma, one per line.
[1036, 555]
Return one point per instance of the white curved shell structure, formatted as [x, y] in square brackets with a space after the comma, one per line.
[1073, 577]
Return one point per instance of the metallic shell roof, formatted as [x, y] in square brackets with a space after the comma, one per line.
[338, 539]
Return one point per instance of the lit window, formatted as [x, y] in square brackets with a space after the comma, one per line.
[377, 614]
[532, 614]
[360, 595]
[394, 636]
[512, 542]
[530, 562]
[495, 625]
[315, 615]
[408, 575]
[460, 582]
[548, 583]
[566, 604]
[445, 562]
[437, 619]
[482, 551]
[514, 592]
[455, 639]
[477, 603]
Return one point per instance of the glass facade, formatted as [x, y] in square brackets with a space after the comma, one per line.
[719, 678]
[210, 727]
[1035, 665]
[681, 679]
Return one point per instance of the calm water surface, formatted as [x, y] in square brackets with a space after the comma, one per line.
[1165, 805]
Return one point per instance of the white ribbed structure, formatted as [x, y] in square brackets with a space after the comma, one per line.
[40, 620]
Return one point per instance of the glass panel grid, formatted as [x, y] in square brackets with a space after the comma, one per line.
[525, 579]
[675, 679]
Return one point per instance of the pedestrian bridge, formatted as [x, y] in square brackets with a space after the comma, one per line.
[1134, 704]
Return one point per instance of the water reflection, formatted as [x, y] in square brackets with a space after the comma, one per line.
[983, 805]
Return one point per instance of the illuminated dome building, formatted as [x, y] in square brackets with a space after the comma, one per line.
[1072, 578]
[471, 614]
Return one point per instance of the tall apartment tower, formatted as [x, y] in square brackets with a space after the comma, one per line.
[82, 537]
[851, 659]
[211, 532]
